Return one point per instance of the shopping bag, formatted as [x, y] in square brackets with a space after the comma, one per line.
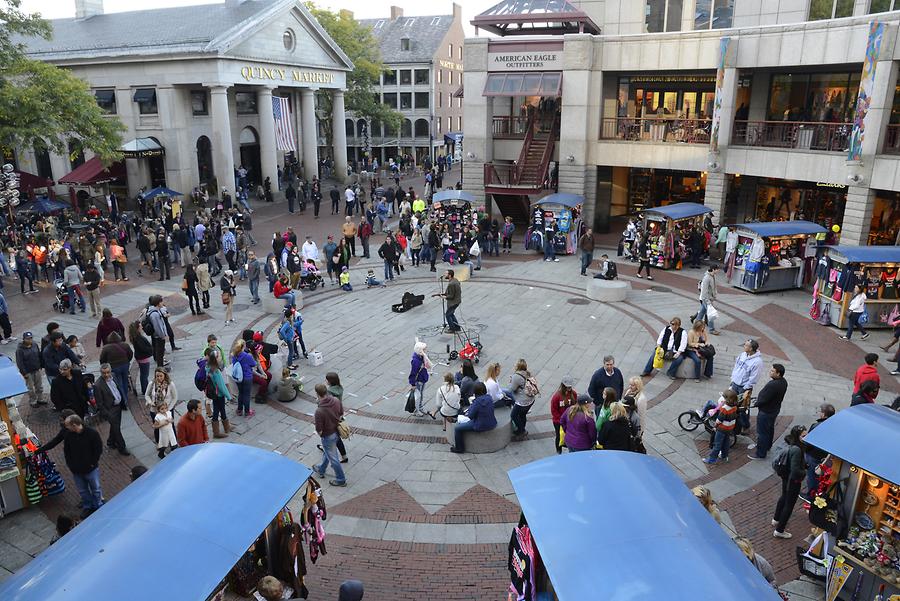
[411, 401]
[864, 318]
[343, 430]
[711, 311]
[562, 437]
[32, 490]
[658, 358]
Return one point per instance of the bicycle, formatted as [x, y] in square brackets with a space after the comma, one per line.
[689, 421]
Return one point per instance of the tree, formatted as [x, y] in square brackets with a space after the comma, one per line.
[43, 105]
[361, 47]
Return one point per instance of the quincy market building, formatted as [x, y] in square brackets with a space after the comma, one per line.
[194, 87]
[733, 103]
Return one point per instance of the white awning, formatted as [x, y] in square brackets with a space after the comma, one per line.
[141, 148]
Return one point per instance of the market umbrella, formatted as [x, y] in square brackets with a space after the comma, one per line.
[452, 195]
[161, 191]
[44, 205]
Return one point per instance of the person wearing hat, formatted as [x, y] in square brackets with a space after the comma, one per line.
[228, 293]
[28, 361]
[345, 280]
[577, 422]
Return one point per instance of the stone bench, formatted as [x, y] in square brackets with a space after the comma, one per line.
[274, 383]
[607, 291]
[270, 304]
[486, 442]
[686, 369]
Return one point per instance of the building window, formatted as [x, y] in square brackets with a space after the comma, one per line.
[435, 21]
[829, 9]
[405, 77]
[440, 76]
[42, 161]
[245, 103]
[146, 100]
[409, 22]
[883, 6]
[379, 24]
[76, 154]
[405, 100]
[423, 100]
[421, 128]
[451, 77]
[818, 97]
[289, 40]
[440, 100]
[390, 78]
[458, 102]
[439, 128]
[449, 124]
[106, 100]
[390, 99]
[199, 103]
[450, 51]
[406, 129]
[404, 44]
[663, 15]
[459, 124]
[713, 14]
[422, 77]
[449, 99]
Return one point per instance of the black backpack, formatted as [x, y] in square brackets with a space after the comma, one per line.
[146, 324]
[781, 465]
[612, 273]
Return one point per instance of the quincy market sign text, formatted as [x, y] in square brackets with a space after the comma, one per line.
[525, 61]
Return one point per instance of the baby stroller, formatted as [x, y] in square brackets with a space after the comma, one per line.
[61, 303]
[311, 280]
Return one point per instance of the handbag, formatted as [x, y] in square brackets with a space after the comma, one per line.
[343, 429]
[658, 358]
[707, 352]
[226, 298]
[864, 317]
[411, 401]
[32, 490]
[562, 437]
[825, 509]
[184, 285]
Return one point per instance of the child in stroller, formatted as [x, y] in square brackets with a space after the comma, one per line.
[61, 303]
[309, 275]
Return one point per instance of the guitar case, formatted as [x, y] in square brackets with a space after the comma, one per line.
[408, 302]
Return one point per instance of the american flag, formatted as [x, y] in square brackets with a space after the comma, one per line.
[284, 131]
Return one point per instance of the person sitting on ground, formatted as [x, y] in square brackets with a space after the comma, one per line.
[290, 386]
[345, 280]
[577, 422]
[371, 282]
[479, 417]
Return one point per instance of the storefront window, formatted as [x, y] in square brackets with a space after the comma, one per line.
[784, 200]
[662, 15]
[687, 96]
[659, 187]
[818, 97]
[830, 9]
[709, 14]
[885, 227]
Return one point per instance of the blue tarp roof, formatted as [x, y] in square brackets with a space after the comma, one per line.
[783, 228]
[866, 254]
[849, 435]
[452, 195]
[161, 190]
[680, 210]
[173, 534]
[567, 200]
[617, 525]
[44, 205]
[11, 381]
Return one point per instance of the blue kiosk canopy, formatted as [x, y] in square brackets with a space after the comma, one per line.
[783, 228]
[865, 254]
[11, 381]
[848, 434]
[561, 198]
[161, 191]
[680, 210]
[617, 525]
[452, 195]
[194, 514]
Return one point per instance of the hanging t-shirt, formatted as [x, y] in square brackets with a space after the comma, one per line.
[521, 564]
[564, 223]
[889, 281]
[873, 284]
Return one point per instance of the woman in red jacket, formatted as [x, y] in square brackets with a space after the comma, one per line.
[283, 291]
[561, 400]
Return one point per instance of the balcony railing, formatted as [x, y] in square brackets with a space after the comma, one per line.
[656, 129]
[501, 174]
[801, 135]
[510, 127]
[892, 140]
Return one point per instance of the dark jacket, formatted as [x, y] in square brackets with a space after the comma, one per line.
[116, 353]
[52, 357]
[69, 394]
[481, 412]
[772, 394]
[815, 452]
[386, 251]
[615, 435]
[82, 450]
[28, 360]
[142, 347]
[107, 327]
[91, 279]
[601, 380]
[106, 401]
[797, 463]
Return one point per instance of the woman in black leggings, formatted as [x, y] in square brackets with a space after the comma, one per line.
[190, 289]
[644, 256]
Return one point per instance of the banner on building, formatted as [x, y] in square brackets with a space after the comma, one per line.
[724, 44]
[866, 84]
[284, 131]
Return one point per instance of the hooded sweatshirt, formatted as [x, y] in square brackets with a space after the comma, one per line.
[328, 414]
[865, 372]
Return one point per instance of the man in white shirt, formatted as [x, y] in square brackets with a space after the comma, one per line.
[672, 339]
[309, 250]
[350, 199]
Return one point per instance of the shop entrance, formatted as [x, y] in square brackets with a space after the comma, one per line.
[787, 200]
[647, 188]
[250, 155]
[204, 160]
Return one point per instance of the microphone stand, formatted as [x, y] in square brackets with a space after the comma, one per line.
[443, 303]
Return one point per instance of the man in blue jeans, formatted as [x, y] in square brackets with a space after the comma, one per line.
[82, 447]
[768, 402]
[328, 415]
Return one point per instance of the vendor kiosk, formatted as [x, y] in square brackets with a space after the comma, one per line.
[12, 429]
[858, 503]
[614, 525]
[840, 268]
[669, 228]
[776, 255]
[173, 534]
[453, 208]
[565, 209]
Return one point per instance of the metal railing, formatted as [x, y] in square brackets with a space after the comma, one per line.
[509, 127]
[892, 139]
[800, 135]
[656, 129]
[501, 174]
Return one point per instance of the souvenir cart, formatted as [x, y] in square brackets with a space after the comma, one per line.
[213, 519]
[568, 548]
[778, 255]
[566, 210]
[858, 503]
[453, 208]
[669, 228]
[12, 467]
[840, 268]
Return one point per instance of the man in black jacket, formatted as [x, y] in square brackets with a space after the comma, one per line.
[768, 403]
[291, 195]
[67, 390]
[335, 201]
[110, 402]
[387, 252]
[82, 448]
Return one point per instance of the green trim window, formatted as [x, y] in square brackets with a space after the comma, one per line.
[830, 9]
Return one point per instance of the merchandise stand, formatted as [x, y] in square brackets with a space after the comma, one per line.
[773, 256]
[453, 208]
[684, 553]
[566, 210]
[12, 430]
[668, 228]
[859, 504]
[217, 549]
[840, 268]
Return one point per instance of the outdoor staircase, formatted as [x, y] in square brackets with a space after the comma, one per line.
[527, 175]
[516, 207]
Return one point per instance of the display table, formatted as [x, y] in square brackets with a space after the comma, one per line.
[841, 267]
[777, 240]
[667, 226]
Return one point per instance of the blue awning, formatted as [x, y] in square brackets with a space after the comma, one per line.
[567, 200]
[11, 381]
[173, 534]
[783, 228]
[452, 195]
[161, 191]
[453, 137]
[850, 435]
[680, 210]
[616, 525]
[865, 254]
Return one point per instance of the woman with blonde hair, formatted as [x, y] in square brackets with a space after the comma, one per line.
[522, 397]
[577, 423]
[615, 435]
[705, 497]
[447, 400]
[419, 366]
[756, 559]
[635, 391]
[492, 383]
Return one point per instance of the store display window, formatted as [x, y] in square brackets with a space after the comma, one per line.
[813, 97]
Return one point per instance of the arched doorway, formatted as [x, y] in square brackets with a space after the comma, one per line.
[204, 160]
[249, 141]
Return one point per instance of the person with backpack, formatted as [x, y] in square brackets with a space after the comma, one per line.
[523, 389]
[241, 371]
[790, 467]
[154, 325]
[216, 392]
